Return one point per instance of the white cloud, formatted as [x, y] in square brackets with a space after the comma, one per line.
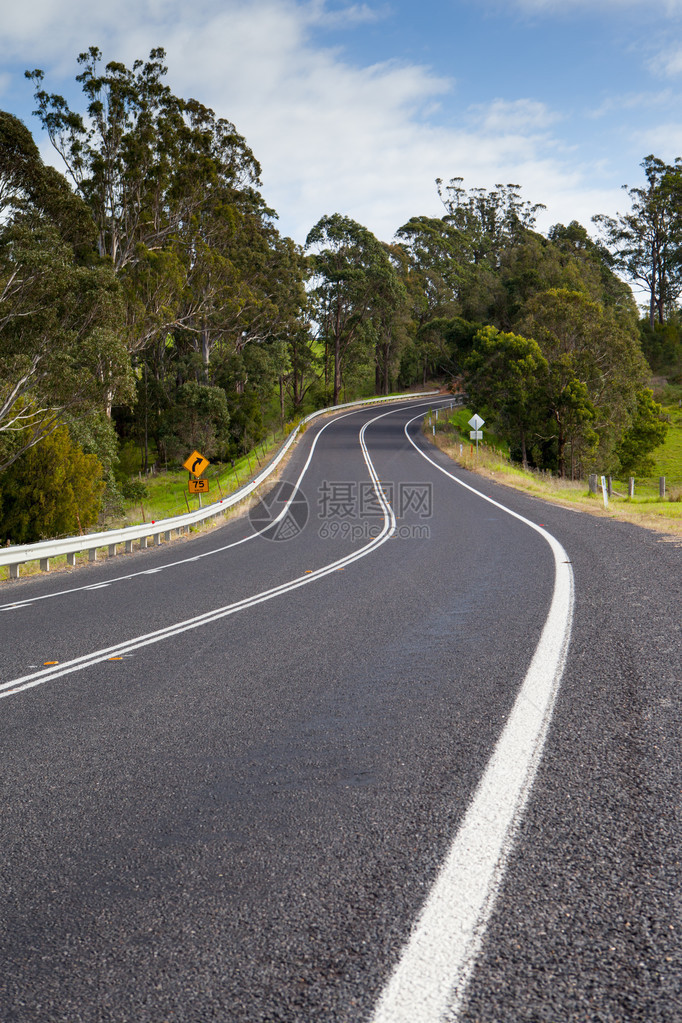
[668, 63]
[633, 101]
[520, 115]
[344, 17]
[669, 7]
[665, 140]
[330, 135]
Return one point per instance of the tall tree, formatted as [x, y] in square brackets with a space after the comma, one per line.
[149, 165]
[596, 368]
[506, 376]
[490, 221]
[61, 352]
[350, 270]
[646, 242]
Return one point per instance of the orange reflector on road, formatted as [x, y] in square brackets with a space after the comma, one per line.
[50, 662]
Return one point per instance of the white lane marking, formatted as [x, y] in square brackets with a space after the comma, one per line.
[216, 550]
[430, 980]
[39, 678]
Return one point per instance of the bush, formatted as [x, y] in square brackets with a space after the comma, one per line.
[52, 490]
[133, 490]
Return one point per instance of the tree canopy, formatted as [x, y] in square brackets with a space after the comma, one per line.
[147, 296]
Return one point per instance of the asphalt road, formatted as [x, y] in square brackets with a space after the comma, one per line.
[241, 817]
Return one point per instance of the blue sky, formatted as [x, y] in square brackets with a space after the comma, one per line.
[358, 107]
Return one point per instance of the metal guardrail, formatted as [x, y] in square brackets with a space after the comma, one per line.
[42, 551]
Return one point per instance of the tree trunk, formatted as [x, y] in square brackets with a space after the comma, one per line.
[205, 352]
[337, 355]
[337, 369]
[524, 453]
[561, 451]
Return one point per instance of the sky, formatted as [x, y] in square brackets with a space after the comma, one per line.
[357, 108]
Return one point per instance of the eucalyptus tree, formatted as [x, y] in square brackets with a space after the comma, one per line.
[595, 371]
[646, 242]
[506, 376]
[436, 266]
[148, 164]
[352, 279]
[61, 353]
[489, 221]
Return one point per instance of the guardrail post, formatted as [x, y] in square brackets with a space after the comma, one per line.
[112, 550]
[44, 564]
[661, 486]
[143, 543]
[14, 571]
[631, 486]
[92, 554]
[156, 540]
[71, 559]
[129, 547]
[167, 536]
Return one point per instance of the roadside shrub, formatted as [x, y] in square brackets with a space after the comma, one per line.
[54, 489]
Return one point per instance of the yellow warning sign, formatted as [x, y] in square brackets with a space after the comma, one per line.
[196, 463]
[198, 486]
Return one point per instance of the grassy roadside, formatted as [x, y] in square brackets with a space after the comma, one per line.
[167, 496]
[645, 509]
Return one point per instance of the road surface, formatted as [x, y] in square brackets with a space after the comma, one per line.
[235, 793]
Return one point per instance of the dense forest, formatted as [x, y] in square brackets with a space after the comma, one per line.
[147, 297]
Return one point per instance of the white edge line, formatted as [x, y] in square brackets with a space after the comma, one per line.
[429, 983]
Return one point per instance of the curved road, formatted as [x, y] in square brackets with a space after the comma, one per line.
[352, 772]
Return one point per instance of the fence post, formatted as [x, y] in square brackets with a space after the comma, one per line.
[661, 486]
[604, 492]
[592, 482]
[631, 486]
[609, 484]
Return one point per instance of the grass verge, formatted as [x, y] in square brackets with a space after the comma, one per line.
[645, 509]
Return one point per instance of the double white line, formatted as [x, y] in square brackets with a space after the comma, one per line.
[50, 674]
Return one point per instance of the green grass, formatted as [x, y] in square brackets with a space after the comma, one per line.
[167, 496]
[452, 436]
[668, 457]
[167, 492]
